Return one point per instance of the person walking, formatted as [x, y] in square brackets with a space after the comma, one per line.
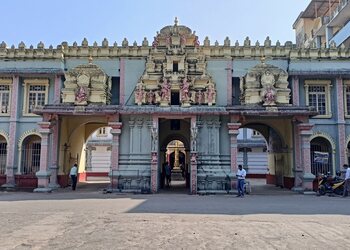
[347, 181]
[73, 175]
[241, 173]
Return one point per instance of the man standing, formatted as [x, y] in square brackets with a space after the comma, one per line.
[73, 175]
[347, 181]
[167, 174]
[241, 173]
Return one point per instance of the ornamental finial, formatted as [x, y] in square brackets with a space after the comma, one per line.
[176, 21]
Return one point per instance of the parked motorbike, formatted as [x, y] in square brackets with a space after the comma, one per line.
[329, 184]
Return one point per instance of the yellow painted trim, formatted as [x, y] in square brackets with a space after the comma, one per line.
[328, 85]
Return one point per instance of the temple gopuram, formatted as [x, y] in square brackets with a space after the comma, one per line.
[174, 88]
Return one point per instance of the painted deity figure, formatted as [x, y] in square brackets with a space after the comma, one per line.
[154, 134]
[155, 42]
[165, 92]
[183, 40]
[81, 94]
[269, 96]
[150, 97]
[194, 131]
[211, 94]
[139, 93]
[184, 91]
[199, 96]
[267, 79]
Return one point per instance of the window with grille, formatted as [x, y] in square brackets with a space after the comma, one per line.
[3, 155]
[31, 157]
[36, 97]
[317, 94]
[4, 99]
[102, 132]
[35, 93]
[347, 100]
[317, 98]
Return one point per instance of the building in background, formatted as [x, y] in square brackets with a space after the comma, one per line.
[324, 23]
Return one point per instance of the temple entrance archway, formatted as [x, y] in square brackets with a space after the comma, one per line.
[279, 166]
[174, 148]
[74, 148]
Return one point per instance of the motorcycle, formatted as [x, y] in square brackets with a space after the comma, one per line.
[329, 184]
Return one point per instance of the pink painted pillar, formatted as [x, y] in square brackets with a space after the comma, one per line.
[295, 84]
[341, 122]
[54, 154]
[11, 144]
[43, 174]
[233, 132]
[298, 169]
[115, 131]
[122, 81]
[154, 155]
[305, 131]
[229, 83]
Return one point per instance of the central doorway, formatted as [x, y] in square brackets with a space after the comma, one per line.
[175, 150]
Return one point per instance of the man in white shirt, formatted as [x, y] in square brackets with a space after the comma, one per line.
[347, 181]
[241, 173]
[73, 175]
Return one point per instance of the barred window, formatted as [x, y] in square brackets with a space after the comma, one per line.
[318, 95]
[317, 98]
[4, 99]
[36, 97]
[31, 150]
[102, 131]
[348, 100]
[35, 94]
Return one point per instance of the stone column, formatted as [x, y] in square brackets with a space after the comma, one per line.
[115, 131]
[233, 132]
[194, 154]
[298, 169]
[193, 172]
[154, 155]
[54, 154]
[43, 174]
[305, 132]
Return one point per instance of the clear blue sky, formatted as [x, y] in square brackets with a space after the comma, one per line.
[71, 20]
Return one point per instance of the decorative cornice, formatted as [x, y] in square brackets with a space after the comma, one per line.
[289, 51]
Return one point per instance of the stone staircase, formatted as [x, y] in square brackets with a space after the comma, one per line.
[176, 175]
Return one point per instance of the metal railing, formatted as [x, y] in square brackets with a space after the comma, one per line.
[131, 181]
[31, 158]
[3, 157]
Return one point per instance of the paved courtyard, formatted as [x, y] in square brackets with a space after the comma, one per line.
[89, 219]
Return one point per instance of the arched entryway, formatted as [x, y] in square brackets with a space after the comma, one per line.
[321, 156]
[30, 155]
[74, 149]
[174, 148]
[278, 166]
